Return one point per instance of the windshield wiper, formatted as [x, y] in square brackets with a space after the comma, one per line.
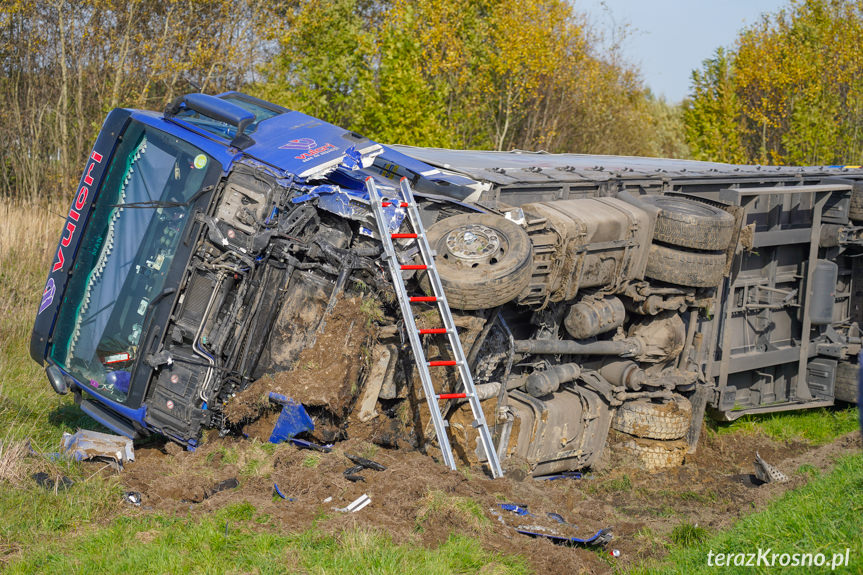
[163, 204]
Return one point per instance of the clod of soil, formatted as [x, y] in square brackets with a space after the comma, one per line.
[326, 374]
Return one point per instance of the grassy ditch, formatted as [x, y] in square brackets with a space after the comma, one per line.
[821, 517]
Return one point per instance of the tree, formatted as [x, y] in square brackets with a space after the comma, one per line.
[712, 115]
[791, 91]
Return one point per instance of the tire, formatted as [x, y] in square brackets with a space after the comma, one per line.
[855, 209]
[643, 418]
[694, 269]
[691, 224]
[845, 388]
[654, 455]
[485, 272]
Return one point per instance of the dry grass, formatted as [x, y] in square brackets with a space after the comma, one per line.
[28, 237]
[12, 455]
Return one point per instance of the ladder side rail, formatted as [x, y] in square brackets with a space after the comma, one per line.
[413, 333]
[449, 324]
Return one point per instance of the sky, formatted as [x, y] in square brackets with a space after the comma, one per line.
[670, 38]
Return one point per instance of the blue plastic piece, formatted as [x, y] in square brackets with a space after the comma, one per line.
[517, 509]
[292, 421]
[557, 517]
[564, 475]
[119, 380]
[280, 494]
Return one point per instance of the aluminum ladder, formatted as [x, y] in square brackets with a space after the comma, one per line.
[396, 267]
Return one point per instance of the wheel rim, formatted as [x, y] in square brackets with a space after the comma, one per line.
[691, 208]
[474, 244]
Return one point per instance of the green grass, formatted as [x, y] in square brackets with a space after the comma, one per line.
[229, 541]
[824, 516]
[813, 426]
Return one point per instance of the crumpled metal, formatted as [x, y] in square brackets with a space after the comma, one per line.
[86, 444]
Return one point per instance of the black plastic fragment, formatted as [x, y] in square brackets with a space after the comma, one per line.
[50, 483]
[231, 483]
[367, 463]
[354, 478]
[303, 444]
[353, 470]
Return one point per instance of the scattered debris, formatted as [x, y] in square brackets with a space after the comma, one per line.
[132, 497]
[564, 475]
[614, 553]
[303, 444]
[517, 509]
[353, 478]
[356, 504]
[598, 539]
[280, 494]
[768, 473]
[366, 463]
[292, 421]
[85, 444]
[59, 483]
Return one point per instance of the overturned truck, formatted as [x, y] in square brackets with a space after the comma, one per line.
[226, 247]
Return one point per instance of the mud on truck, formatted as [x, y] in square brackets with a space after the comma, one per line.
[226, 247]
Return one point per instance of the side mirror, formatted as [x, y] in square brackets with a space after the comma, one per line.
[57, 379]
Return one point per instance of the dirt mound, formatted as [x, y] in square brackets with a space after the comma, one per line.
[326, 374]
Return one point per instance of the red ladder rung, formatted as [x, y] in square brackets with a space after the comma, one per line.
[396, 204]
[414, 267]
[403, 236]
[452, 396]
[432, 330]
[422, 298]
[442, 363]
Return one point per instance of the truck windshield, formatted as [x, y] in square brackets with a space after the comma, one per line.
[125, 255]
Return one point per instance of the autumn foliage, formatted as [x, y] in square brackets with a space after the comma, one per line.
[488, 74]
[790, 92]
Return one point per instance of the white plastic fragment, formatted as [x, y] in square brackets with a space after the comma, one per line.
[356, 504]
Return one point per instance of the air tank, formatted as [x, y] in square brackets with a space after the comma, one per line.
[591, 317]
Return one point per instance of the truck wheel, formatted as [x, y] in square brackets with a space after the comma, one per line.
[695, 269]
[855, 209]
[691, 224]
[643, 418]
[845, 388]
[483, 260]
[654, 455]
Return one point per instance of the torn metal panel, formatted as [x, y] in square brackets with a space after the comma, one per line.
[85, 444]
[349, 204]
